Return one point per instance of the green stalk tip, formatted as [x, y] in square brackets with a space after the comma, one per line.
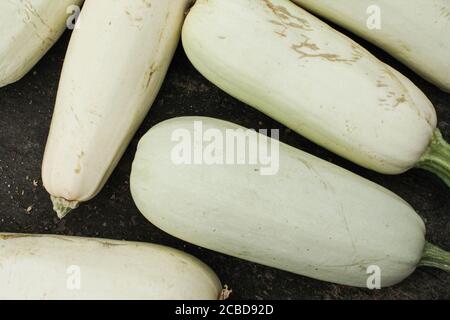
[62, 206]
[435, 257]
[437, 158]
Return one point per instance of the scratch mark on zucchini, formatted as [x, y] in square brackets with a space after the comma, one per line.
[149, 75]
[13, 236]
[302, 48]
[283, 14]
[445, 11]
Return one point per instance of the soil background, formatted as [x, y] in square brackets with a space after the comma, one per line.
[25, 113]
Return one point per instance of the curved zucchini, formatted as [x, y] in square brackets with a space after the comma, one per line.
[278, 58]
[114, 68]
[424, 45]
[28, 29]
[312, 218]
[60, 267]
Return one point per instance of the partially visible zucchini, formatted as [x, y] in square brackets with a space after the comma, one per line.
[312, 217]
[416, 33]
[60, 267]
[28, 29]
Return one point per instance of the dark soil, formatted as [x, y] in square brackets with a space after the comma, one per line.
[25, 114]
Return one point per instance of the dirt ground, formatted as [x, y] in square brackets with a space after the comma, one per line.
[25, 114]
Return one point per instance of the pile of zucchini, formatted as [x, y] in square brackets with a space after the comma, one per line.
[311, 218]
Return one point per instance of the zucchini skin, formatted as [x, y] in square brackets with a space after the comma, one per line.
[425, 49]
[283, 61]
[40, 266]
[28, 29]
[311, 218]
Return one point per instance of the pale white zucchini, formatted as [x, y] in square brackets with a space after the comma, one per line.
[416, 33]
[280, 59]
[312, 218]
[28, 29]
[59, 267]
[114, 68]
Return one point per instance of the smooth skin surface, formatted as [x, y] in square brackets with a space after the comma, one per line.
[310, 217]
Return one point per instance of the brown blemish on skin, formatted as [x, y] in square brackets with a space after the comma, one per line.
[285, 19]
[276, 23]
[31, 10]
[135, 15]
[302, 48]
[108, 244]
[283, 14]
[75, 115]
[10, 236]
[400, 100]
[306, 49]
[94, 113]
[403, 97]
[405, 47]
[147, 3]
[445, 11]
[104, 243]
[381, 84]
[281, 34]
[78, 167]
[13, 236]
[357, 53]
[163, 30]
[149, 74]
[299, 48]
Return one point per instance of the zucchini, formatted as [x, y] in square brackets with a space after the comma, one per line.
[311, 218]
[28, 29]
[59, 267]
[278, 58]
[423, 46]
[113, 70]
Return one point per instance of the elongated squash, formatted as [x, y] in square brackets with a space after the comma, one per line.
[59, 267]
[28, 29]
[278, 58]
[416, 33]
[114, 68]
[312, 217]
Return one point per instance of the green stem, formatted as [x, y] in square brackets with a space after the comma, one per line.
[62, 206]
[437, 158]
[435, 257]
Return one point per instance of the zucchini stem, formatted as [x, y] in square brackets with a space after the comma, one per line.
[225, 293]
[437, 158]
[62, 206]
[435, 257]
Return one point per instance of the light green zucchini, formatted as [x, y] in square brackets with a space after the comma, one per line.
[280, 59]
[311, 217]
[59, 267]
